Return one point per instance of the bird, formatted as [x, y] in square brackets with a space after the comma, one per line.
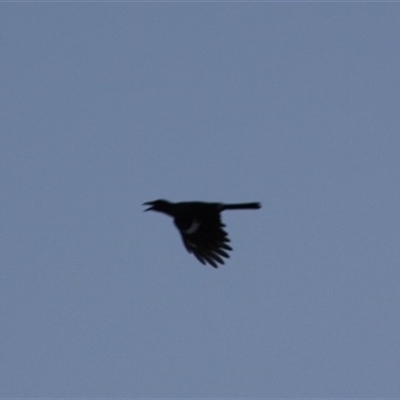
[200, 226]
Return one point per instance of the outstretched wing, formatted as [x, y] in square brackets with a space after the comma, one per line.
[205, 238]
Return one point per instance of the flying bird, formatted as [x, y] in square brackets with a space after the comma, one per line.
[200, 226]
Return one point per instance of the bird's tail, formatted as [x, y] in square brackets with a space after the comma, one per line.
[241, 206]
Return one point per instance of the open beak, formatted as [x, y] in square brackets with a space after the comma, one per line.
[149, 203]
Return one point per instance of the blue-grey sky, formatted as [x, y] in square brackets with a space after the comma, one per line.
[107, 105]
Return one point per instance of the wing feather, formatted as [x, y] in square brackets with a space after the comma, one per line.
[206, 239]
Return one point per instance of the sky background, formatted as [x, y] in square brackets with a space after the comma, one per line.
[107, 105]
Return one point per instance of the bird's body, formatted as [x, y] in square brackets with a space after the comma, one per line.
[200, 226]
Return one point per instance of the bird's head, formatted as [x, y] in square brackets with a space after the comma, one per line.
[157, 205]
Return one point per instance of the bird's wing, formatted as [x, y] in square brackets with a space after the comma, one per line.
[205, 238]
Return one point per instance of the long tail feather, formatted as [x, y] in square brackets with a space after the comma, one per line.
[241, 206]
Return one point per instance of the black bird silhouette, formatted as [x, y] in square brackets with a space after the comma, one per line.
[200, 226]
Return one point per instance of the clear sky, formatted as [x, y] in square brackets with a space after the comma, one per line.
[107, 105]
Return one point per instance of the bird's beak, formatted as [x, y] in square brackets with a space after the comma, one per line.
[148, 203]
